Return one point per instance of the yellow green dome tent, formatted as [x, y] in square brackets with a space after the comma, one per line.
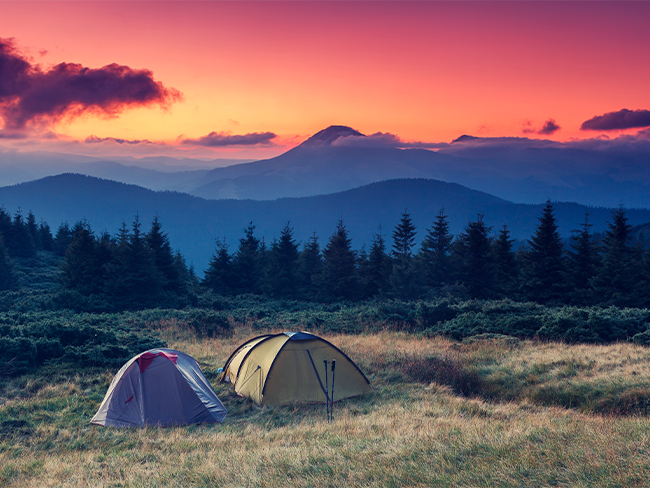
[277, 369]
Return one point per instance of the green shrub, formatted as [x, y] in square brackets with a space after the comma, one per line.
[208, 323]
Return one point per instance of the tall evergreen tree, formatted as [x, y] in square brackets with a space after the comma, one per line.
[8, 280]
[135, 282]
[403, 279]
[474, 249]
[338, 280]
[246, 263]
[582, 264]
[219, 277]
[63, 239]
[544, 268]
[20, 242]
[5, 224]
[32, 228]
[82, 270]
[619, 273]
[187, 278]
[505, 263]
[163, 257]
[434, 257]
[282, 271]
[377, 273]
[45, 236]
[310, 268]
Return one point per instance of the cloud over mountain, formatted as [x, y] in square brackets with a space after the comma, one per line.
[33, 95]
[92, 139]
[623, 119]
[383, 139]
[220, 139]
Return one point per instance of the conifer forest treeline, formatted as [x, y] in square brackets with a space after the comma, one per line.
[81, 296]
[137, 269]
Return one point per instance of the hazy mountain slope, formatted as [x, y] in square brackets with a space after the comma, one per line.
[609, 176]
[156, 173]
[194, 223]
[518, 169]
[308, 171]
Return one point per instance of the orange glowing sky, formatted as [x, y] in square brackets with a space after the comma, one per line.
[426, 71]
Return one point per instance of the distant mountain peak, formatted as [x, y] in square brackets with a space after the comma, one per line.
[329, 135]
[465, 138]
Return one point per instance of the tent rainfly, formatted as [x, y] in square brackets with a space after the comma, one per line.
[160, 387]
[277, 369]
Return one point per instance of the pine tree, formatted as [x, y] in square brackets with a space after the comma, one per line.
[134, 282]
[402, 279]
[32, 228]
[282, 271]
[434, 257]
[505, 263]
[338, 280]
[619, 273]
[544, 268]
[474, 250]
[45, 236]
[188, 280]
[582, 264]
[219, 277]
[246, 263]
[82, 270]
[378, 269]
[63, 239]
[20, 242]
[362, 266]
[5, 224]
[158, 243]
[310, 268]
[8, 280]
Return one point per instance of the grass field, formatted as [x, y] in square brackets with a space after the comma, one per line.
[488, 412]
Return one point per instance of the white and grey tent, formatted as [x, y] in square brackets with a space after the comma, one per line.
[160, 387]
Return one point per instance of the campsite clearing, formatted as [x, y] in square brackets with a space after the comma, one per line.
[489, 412]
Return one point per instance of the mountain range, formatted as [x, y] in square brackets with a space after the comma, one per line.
[193, 223]
[593, 172]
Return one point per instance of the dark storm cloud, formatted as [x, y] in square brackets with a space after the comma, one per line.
[32, 95]
[220, 139]
[549, 127]
[383, 140]
[623, 119]
[95, 140]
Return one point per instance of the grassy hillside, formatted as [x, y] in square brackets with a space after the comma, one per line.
[490, 411]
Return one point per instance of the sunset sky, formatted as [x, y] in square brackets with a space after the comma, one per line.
[253, 79]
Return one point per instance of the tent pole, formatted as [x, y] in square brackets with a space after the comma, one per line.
[327, 397]
[333, 372]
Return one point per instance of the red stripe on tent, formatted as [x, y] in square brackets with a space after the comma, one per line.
[172, 357]
[146, 358]
[130, 398]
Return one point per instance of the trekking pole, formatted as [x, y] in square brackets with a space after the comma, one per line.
[327, 398]
[333, 370]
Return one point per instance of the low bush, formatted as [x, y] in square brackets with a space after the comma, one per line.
[32, 339]
[446, 370]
